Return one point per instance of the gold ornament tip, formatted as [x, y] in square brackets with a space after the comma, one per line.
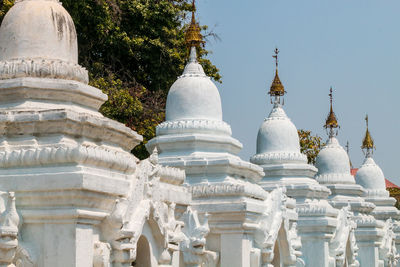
[368, 142]
[331, 121]
[277, 88]
[193, 36]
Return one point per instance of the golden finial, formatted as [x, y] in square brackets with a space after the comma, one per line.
[277, 88]
[368, 142]
[331, 121]
[193, 37]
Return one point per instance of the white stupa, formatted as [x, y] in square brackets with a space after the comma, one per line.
[195, 133]
[371, 177]
[38, 39]
[334, 172]
[278, 153]
[195, 138]
[65, 162]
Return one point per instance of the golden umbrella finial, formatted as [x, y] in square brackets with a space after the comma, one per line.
[331, 121]
[277, 89]
[368, 142]
[193, 37]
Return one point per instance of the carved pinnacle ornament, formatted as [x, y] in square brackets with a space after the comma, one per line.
[193, 37]
[331, 121]
[277, 88]
[368, 142]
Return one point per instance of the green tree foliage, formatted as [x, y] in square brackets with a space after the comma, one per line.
[134, 50]
[310, 145]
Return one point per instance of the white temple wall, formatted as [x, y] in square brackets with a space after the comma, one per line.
[368, 255]
[315, 251]
[59, 244]
[235, 250]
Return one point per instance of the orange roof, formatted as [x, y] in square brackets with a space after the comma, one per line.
[353, 172]
[388, 183]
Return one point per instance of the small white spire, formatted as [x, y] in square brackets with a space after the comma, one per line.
[193, 55]
[193, 67]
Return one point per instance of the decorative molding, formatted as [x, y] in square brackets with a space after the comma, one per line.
[43, 68]
[172, 175]
[80, 153]
[230, 187]
[365, 220]
[65, 121]
[380, 193]
[335, 178]
[191, 126]
[278, 157]
[316, 208]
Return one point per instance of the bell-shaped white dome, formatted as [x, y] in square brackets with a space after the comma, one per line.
[370, 176]
[333, 164]
[38, 39]
[278, 140]
[193, 95]
[277, 133]
[38, 29]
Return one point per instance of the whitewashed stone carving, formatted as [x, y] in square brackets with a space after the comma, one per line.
[43, 68]
[189, 126]
[387, 251]
[23, 257]
[194, 242]
[343, 247]
[274, 228]
[9, 221]
[102, 255]
[123, 228]
[230, 187]
[13, 252]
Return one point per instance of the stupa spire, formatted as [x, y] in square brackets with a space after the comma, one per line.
[331, 122]
[277, 89]
[368, 142]
[193, 37]
[348, 154]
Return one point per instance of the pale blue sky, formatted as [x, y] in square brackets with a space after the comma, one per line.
[352, 45]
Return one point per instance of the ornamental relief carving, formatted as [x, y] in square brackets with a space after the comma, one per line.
[189, 126]
[43, 68]
[13, 252]
[279, 157]
[230, 187]
[194, 241]
[145, 204]
[79, 153]
[343, 247]
[275, 229]
[387, 250]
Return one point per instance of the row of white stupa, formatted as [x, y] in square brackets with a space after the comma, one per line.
[340, 222]
[74, 195]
